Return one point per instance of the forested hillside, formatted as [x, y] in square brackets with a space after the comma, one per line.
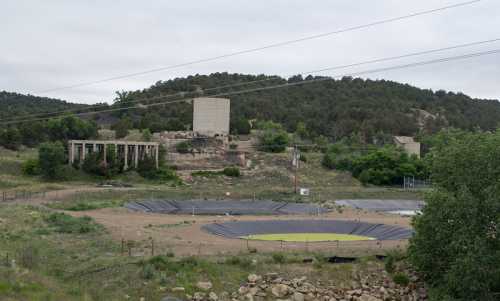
[332, 108]
[18, 105]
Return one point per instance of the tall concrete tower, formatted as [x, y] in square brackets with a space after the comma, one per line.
[211, 116]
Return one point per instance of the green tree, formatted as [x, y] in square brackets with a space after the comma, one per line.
[122, 127]
[146, 135]
[302, 131]
[10, 138]
[240, 126]
[273, 138]
[70, 127]
[51, 158]
[456, 245]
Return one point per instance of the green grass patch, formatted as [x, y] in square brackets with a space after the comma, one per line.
[307, 237]
[207, 173]
[64, 223]
[86, 205]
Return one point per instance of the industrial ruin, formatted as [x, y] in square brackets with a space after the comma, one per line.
[208, 142]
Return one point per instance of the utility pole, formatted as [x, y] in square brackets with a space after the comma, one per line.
[295, 163]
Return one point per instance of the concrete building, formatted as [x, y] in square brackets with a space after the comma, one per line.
[211, 116]
[128, 151]
[408, 144]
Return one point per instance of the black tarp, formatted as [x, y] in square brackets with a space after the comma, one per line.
[222, 207]
[383, 205]
[240, 229]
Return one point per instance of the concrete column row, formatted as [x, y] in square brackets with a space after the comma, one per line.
[81, 148]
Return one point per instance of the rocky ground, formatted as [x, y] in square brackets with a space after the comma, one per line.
[373, 287]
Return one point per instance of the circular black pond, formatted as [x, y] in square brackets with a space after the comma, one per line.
[239, 229]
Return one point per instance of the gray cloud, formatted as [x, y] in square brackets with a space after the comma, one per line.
[48, 44]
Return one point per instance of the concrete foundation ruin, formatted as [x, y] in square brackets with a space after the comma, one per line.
[128, 151]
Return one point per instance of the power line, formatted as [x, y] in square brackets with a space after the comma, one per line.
[416, 64]
[274, 45]
[183, 94]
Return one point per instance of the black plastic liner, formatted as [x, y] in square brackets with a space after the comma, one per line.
[383, 205]
[215, 207]
[245, 228]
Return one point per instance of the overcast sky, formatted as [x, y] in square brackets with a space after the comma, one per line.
[53, 43]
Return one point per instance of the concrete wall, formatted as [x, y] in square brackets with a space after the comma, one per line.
[211, 116]
[412, 148]
[408, 144]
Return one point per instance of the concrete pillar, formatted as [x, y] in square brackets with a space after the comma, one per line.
[94, 147]
[156, 157]
[136, 155]
[125, 166]
[104, 153]
[84, 150]
[71, 149]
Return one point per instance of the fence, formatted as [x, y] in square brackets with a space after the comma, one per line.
[410, 183]
[8, 196]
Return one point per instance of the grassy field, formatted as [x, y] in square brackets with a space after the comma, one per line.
[307, 237]
[270, 177]
[52, 256]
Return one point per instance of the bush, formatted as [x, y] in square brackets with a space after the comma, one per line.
[384, 166]
[401, 279]
[31, 167]
[94, 163]
[183, 147]
[51, 157]
[240, 126]
[232, 171]
[64, 223]
[274, 138]
[279, 258]
[243, 262]
[148, 272]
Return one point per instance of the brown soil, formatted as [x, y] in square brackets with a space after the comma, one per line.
[182, 234]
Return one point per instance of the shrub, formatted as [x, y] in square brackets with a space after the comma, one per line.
[243, 262]
[160, 263]
[279, 258]
[274, 138]
[240, 126]
[31, 167]
[51, 157]
[232, 171]
[183, 147]
[148, 272]
[401, 279]
[146, 135]
[64, 223]
[384, 166]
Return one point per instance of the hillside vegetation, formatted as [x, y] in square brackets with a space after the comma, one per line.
[332, 108]
[19, 105]
[335, 109]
